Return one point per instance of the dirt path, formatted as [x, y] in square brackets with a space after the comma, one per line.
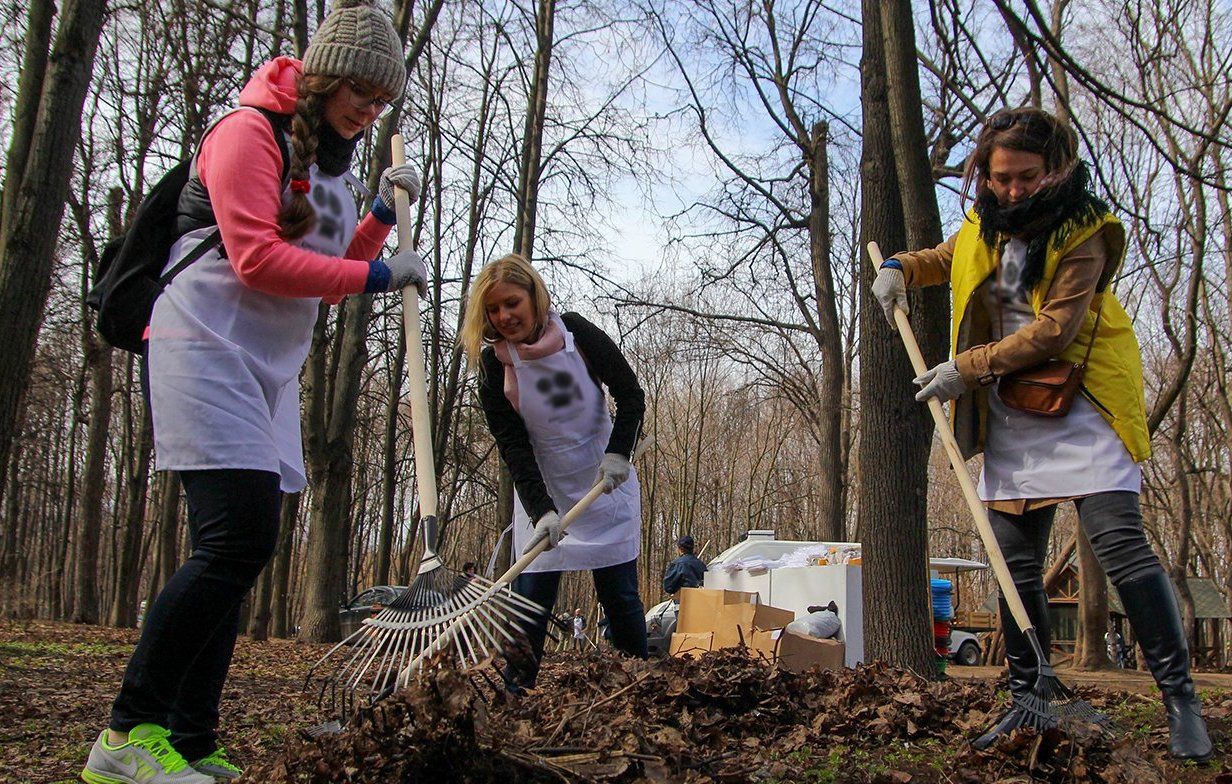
[1118, 680]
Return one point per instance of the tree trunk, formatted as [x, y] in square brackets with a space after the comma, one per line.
[262, 594]
[1090, 650]
[385, 538]
[35, 202]
[830, 512]
[281, 579]
[128, 564]
[85, 580]
[532, 135]
[917, 191]
[29, 91]
[894, 432]
[330, 440]
[167, 536]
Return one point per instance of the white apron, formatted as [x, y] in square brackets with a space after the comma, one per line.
[567, 419]
[1028, 456]
[225, 359]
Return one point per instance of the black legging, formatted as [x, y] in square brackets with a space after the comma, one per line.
[616, 588]
[1112, 522]
[176, 674]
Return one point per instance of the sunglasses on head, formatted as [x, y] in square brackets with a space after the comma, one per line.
[1008, 118]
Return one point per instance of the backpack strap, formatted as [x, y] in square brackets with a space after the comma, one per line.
[280, 125]
[212, 240]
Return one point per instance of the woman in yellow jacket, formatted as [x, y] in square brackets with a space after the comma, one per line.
[1029, 271]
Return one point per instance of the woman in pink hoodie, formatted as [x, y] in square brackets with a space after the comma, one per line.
[227, 340]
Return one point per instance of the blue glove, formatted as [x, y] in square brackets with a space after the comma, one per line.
[396, 273]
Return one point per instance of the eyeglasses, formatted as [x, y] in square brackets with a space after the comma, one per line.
[362, 98]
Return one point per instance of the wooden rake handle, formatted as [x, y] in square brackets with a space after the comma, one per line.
[999, 568]
[421, 416]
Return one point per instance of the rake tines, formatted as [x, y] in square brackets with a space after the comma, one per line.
[1049, 704]
[366, 664]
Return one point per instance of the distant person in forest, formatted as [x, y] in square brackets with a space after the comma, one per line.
[1030, 272]
[579, 630]
[687, 570]
[227, 340]
[541, 380]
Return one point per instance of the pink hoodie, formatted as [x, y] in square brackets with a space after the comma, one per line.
[241, 167]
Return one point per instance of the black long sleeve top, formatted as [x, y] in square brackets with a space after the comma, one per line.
[608, 367]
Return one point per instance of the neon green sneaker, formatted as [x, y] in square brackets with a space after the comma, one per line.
[147, 758]
[218, 766]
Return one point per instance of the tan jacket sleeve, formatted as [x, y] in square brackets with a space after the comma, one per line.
[1057, 325]
[928, 267]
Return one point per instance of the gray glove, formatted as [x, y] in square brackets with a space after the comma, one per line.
[406, 269]
[404, 177]
[890, 289]
[613, 471]
[942, 382]
[548, 527]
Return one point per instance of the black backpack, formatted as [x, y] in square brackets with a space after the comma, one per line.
[130, 269]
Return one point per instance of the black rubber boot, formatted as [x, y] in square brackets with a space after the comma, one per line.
[1156, 620]
[1021, 660]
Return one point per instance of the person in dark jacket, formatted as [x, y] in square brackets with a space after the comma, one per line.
[542, 383]
[687, 571]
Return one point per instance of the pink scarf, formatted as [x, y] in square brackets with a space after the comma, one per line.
[551, 341]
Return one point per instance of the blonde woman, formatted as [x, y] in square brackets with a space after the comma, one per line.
[541, 383]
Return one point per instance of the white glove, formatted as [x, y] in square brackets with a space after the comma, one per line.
[613, 471]
[890, 289]
[404, 177]
[406, 269]
[943, 382]
[548, 527]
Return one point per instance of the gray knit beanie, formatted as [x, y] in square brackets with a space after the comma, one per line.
[357, 40]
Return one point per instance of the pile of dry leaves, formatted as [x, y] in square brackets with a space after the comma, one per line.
[723, 718]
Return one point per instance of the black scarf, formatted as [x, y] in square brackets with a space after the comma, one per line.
[1047, 216]
[334, 152]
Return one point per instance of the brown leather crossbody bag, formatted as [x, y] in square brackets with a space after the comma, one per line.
[1047, 389]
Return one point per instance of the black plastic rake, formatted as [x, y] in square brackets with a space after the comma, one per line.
[1049, 703]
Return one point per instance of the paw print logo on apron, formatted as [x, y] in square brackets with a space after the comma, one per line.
[328, 203]
[560, 389]
[569, 426]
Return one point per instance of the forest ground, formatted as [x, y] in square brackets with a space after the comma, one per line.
[57, 681]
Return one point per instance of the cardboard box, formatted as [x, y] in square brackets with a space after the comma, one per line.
[699, 608]
[691, 645]
[742, 622]
[764, 645]
[797, 653]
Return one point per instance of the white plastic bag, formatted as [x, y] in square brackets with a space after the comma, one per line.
[822, 625]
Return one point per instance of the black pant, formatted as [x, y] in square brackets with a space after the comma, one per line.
[176, 673]
[616, 587]
[1112, 522]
